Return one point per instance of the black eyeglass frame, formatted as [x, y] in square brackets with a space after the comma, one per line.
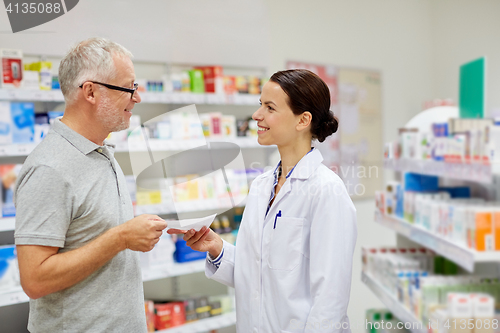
[110, 86]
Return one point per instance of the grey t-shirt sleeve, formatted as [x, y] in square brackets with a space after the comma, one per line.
[43, 207]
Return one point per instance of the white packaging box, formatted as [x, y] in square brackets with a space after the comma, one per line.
[5, 124]
[161, 255]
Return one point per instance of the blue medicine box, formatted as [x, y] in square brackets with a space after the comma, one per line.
[184, 253]
[421, 183]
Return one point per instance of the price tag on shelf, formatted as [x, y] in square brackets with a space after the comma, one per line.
[13, 297]
[11, 94]
[186, 98]
[37, 96]
[198, 98]
[176, 97]
[164, 97]
[238, 99]
[154, 97]
[23, 150]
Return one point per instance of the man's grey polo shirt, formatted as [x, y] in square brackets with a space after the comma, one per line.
[69, 192]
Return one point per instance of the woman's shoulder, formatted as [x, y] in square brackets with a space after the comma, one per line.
[326, 175]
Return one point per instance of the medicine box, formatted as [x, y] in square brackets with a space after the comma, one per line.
[8, 176]
[184, 253]
[17, 122]
[169, 315]
[483, 230]
[197, 81]
[11, 69]
[214, 79]
[9, 272]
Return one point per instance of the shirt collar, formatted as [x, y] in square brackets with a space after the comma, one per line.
[77, 140]
[304, 168]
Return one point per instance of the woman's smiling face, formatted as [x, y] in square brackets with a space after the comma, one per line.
[277, 122]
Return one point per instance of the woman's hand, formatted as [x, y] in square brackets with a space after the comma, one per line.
[204, 240]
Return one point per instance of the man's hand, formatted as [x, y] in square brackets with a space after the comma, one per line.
[142, 232]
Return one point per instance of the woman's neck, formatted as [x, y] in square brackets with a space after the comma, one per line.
[291, 155]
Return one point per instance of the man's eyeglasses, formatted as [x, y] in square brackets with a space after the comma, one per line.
[110, 86]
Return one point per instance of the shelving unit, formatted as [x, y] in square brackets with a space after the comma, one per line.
[474, 171]
[174, 269]
[399, 311]
[461, 255]
[17, 295]
[178, 145]
[146, 97]
[7, 223]
[484, 175]
[204, 325]
[12, 297]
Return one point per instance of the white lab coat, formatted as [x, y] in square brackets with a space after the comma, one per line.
[293, 275]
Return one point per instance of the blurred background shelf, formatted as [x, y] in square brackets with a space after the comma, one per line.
[473, 172]
[171, 270]
[397, 309]
[146, 97]
[459, 254]
[205, 325]
[7, 224]
[14, 296]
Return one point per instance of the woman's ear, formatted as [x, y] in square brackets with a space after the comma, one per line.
[305, 120]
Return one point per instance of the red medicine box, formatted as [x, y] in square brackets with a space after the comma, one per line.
[214, 79]
[169, 315]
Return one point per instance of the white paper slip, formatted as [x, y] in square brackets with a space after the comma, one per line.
[195, 224]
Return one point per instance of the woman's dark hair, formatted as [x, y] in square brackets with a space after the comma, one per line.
[308, 92]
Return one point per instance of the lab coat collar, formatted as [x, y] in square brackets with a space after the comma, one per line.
[307, 165]
[304, 168]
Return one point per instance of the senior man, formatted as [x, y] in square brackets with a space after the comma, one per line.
[76, 235]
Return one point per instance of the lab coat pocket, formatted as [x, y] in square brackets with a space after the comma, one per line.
[286, 243]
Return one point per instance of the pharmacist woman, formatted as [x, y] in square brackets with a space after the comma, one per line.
[291, 267]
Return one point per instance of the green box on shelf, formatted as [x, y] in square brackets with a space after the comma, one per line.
[472, 89]
[197, 81]
[450, 268]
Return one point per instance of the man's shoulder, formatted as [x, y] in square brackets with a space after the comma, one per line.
[52, 147]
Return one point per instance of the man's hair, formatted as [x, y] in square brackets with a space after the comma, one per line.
[89, 60]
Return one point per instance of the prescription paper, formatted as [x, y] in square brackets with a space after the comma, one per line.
[188, 224]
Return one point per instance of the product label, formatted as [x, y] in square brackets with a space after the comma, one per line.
[12, 71]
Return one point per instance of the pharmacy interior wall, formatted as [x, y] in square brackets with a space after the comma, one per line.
[464, 31]
[231, 33]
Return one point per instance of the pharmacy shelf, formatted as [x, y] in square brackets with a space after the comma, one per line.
[146, 97]
[16, 149]
[397, 309]
[17, 295]
[12, 297]
[173, 269]
[7, 224]
[204, 325]
[473, 172]
[210, 206]
[182, 145]
[459, 254]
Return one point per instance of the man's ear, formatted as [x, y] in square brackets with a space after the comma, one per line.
[305, 120]
[89, 91]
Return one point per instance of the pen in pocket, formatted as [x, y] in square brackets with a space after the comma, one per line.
[277, 215]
